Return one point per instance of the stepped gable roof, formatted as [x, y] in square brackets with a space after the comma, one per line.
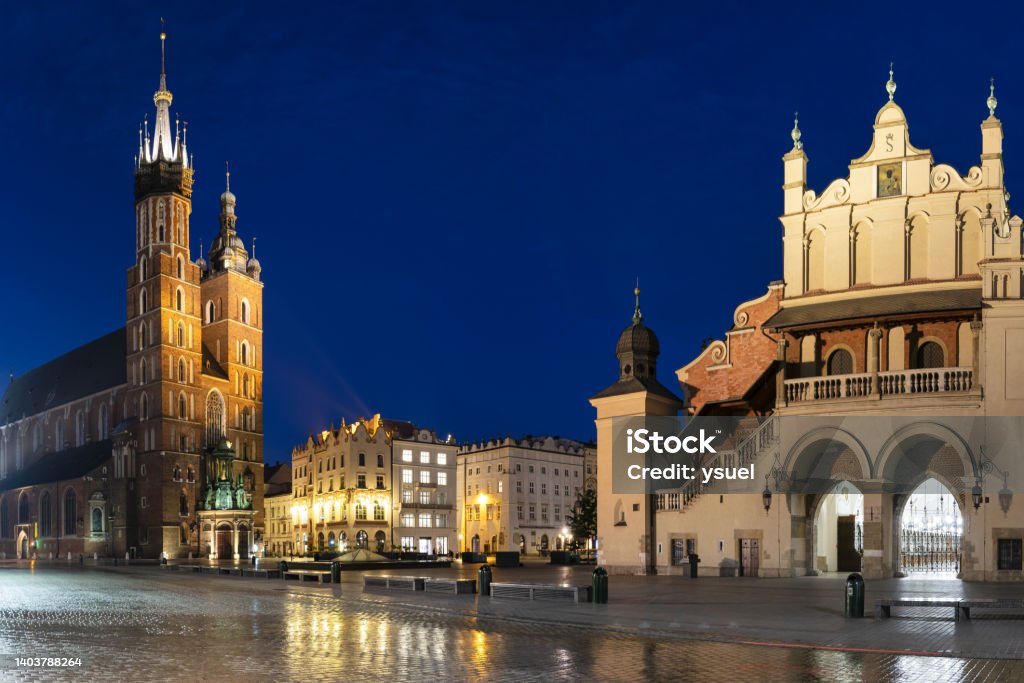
[71, 463]
[893, 305]
[87, 370]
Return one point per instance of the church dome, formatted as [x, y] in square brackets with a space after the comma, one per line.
[638, 339]
[253, 264]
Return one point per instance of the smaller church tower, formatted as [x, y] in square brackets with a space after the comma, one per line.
[625, 522]
[232, 323]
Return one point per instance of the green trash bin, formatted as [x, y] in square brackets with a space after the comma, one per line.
[854, 605]
[600, 585]
[335, 572]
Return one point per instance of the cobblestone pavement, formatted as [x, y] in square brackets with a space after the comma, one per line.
[149, 624]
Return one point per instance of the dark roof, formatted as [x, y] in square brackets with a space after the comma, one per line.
[211, 367]
[636, 384]
[277, 479]
[876, 307]
[68, 464]
[87, 370]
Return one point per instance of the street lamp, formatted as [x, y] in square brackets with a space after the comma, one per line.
[766, 497]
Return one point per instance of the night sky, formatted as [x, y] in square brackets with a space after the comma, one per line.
[453, 200]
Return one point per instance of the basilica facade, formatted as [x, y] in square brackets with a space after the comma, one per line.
[148, 442]
[879, 380]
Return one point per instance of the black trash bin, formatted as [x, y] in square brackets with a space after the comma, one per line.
[600, 585]
[694, 560]
[484, 580]
[854, 604]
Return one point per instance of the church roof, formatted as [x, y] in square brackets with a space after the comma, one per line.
[87, 370]
[70, 463]
[211, 367]
[893, 305]
[636, 384]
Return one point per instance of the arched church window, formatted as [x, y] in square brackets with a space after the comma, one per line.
[929, 355]
[214, 419]
[142, 371]
[45, 515]
[181, 334]
[211, 312]
[181, 370]
[179, 300]
[245, 353]
[102, 422]
[144, 407]
[840, 362]
[23, 511]
[143, 268]
[80, 429]
[182, 406]
[70, 513]
[245, 311]
[97, 520]
[142, 302]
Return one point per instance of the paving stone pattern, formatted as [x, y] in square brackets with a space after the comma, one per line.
[149, 624]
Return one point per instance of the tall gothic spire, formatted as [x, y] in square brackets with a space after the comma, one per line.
[164, 146]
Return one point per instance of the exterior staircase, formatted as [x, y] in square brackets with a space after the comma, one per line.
[761, 441]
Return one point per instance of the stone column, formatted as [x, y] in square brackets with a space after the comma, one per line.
[976, 326]
[780, 374]
[234, 537]
[874, 353]
[876, 563]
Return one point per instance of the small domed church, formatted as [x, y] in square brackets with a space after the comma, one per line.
[148, 441]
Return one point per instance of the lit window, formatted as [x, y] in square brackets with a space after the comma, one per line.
[425, 476]
[406, 476]
[406, 455]
[442, 478]
[442, 458]
[424, 458]
[424, 497]
[426, 520]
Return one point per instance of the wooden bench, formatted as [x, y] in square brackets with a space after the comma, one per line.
[262, 573]
[541, 591]
[406, 583]
[302, 575]
[456, 586]
[965, 606]
[883, 608]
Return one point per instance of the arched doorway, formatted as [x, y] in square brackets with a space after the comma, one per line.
[362, 539]
[521, 543]
[225, 546]
[22, 546]
[839, 530]
[475, 545]
[379, 539]
[930, 532]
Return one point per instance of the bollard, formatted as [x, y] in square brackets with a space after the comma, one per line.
[335, 572]
[600, 585]
[854, 605]
[694, 561]
[484, 580]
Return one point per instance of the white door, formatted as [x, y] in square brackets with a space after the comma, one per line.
[426, 545]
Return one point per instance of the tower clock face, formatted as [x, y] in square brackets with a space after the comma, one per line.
[890, 180]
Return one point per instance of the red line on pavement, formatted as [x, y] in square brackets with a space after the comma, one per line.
[837, 648]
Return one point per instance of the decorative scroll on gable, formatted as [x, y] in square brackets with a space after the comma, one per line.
[945, 177]
[836, 194]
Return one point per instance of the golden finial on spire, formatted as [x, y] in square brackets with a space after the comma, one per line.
[890, 86]
[795, 133]
[227, 176]
[637, 315]
[991, 102]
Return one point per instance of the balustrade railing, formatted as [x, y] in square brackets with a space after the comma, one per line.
[890, 383]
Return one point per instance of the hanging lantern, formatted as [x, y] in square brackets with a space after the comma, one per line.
[976, 496]
[766, 498]
[1005, 498]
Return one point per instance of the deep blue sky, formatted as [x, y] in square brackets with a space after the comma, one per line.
[452, 199]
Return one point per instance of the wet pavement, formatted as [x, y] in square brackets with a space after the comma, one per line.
[148, 624]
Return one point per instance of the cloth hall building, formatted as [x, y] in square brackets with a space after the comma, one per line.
[148, 441]
[887, 362]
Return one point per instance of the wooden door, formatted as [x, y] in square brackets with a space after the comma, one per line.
[847, 557]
